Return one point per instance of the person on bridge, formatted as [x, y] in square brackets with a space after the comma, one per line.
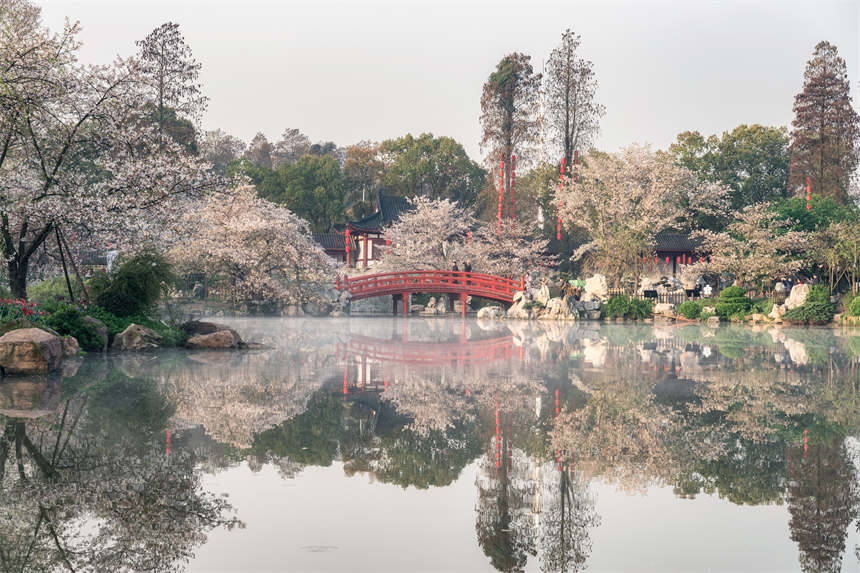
[467, 267]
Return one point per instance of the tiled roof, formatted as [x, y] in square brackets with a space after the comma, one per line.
[389, 208]
[675, 243]
[333, 241]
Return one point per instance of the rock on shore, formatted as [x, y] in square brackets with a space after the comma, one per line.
[30, 351]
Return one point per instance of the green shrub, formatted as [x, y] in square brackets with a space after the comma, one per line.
[733, 302]
[136, 285]
[811, 312]
[617, 306]
[69, 321]
[640, 309]
[763, 306]
[53, 291]
[854, 306]
[691, 309]
[818, 293]
[733, 292]
[116, 324]
[622, 306]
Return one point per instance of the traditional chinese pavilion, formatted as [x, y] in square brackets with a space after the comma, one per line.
[673, 250]
[365, 236]
[334, 244]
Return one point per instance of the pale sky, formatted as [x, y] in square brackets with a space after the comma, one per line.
[356, 70]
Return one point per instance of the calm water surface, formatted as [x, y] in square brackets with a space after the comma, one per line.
[382, 444]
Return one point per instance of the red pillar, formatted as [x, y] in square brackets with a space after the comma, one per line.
[406, 297]
[463, 304]
[501, 194]
[513, 186]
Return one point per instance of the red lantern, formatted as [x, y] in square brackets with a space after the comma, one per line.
[667, 260]
[346, 241]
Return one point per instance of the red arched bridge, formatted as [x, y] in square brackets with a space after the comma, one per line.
[403, 284]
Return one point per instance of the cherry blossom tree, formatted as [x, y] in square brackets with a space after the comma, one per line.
[438, 233]
[509, 250]
[755, 248]
[75, 148]
[622, 200]
[431, 236]
[265, 251]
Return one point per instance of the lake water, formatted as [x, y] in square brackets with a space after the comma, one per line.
[384, 444]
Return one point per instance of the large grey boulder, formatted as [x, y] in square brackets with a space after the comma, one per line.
[595, 288]
[136, 337]
[317, 308]
[776, 313]
[211, 335]
[70, 346]
[491, 312]
[542, 295]
[222, 339]
[558, 309]
[30, 351]
[196, 327]
[797, 296]
[664, 309]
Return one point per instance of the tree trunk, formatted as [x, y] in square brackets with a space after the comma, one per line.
[17, 268]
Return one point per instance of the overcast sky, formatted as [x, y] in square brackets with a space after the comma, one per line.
[348, 71]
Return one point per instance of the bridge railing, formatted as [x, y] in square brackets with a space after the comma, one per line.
[430, 281]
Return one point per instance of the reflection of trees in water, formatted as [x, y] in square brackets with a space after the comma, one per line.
[504, 523]
[567, 516]
[90, 487]
[823, 499]
[369, 437]
[234, 395]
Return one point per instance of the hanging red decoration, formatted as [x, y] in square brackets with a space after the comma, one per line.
[346, 242]
[560, 187]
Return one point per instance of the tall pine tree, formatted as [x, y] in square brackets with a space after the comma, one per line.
[826, 129]
[509, 113]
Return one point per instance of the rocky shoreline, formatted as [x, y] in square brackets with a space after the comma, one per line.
[33, 350]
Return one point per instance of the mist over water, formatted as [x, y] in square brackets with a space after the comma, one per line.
[437, 444]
